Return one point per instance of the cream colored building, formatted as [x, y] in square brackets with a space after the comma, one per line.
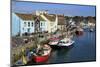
[51, 19]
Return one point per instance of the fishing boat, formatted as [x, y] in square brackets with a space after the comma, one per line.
[66, 42]
[42, 55]
[54, 41]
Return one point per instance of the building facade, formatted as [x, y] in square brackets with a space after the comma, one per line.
[61, 23]
[24, 24]
[15, 25]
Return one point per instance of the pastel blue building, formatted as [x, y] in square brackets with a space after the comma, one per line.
[25, 23]
[22, 23]
[15, 24]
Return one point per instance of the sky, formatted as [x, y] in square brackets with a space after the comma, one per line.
[66, 9]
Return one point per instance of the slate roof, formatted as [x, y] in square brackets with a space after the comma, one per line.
[61, 20]
[28, 17]
[51, 17]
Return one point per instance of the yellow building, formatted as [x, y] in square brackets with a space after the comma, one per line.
[51, 19]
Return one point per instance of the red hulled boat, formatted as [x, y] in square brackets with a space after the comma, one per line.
[43, 57]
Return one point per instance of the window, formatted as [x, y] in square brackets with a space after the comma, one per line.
[23, 28]
[24, 24]
[28, 30]
[41, 29]
[32, 24]
[51, 24]
[41, 24]
[28, 24]
[55, 26]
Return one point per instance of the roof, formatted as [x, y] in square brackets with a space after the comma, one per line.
[28, 17]
[61, 20]
[92, 20]
[51, 17]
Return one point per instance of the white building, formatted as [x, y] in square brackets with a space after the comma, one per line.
[25, 23]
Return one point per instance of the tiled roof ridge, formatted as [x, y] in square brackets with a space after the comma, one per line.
[25, 16]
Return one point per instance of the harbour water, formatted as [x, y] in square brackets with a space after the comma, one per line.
[84, 49]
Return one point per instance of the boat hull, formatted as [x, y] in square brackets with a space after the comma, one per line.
[53, 44]
[66, 45]
[39, 59]
[44, 57]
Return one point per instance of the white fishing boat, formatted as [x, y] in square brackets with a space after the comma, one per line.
[65, 42]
